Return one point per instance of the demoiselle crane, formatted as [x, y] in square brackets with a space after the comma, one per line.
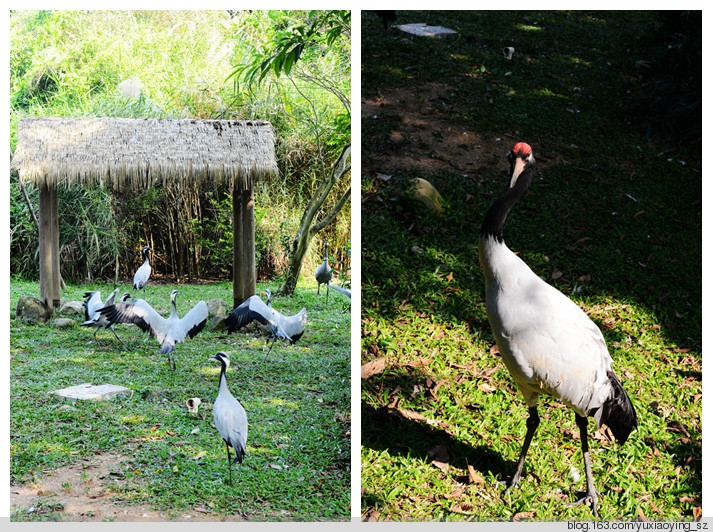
[549, 345]
[142, 275]
[92, 316]
[168, 331]
[290, 328]
[323, 274]
[230, 417]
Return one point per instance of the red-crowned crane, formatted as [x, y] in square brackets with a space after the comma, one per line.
[168, 331]
[549, 345]
[230, 417]
[290, 328]
[323, 274]
[142, 275]
[92, 316]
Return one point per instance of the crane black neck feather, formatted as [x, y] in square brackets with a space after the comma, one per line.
[497, 213]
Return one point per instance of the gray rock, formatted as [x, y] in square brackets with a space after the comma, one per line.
[64, 323]
[217, 307]
[32, 310]
[217, 323]
[72, 307]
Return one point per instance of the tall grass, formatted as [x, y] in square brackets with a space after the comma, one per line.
[79, 63]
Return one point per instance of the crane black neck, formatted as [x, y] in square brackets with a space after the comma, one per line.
[494, 220]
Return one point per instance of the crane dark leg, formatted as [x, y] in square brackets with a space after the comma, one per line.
[117, 337]
[272, 343]
[230, 469]
[590, 497]
[532, 422]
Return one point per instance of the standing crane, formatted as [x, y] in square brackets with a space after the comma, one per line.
[290, 328]
[168, 331]
[142, 275]
[230, 417]
[549, 345]
[323, 274]
[92, 316]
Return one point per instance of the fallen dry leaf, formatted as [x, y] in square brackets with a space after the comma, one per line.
[449, 277]
[604, 435]
[443, 466]
[462, 508]
[473, 477]
[676, 426]
[519, 516]
[640, 514]
[373, 368]
[556, 275]
[455, 494]
[485, 387]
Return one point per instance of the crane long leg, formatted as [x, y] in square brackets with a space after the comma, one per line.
[274, 337]
[532, 422]
[590, 497]
[230, 469]
[117, 337]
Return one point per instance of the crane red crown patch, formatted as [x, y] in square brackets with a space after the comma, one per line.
[522, 149]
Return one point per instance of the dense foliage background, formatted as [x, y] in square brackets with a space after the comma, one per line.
[177, 64]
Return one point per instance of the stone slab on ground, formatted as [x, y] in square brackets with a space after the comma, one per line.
[88, 391]
[423, 30]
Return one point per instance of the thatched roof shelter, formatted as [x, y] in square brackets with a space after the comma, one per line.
[142, 153]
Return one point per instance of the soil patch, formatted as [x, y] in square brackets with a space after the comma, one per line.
[422, 137]
[82, 492]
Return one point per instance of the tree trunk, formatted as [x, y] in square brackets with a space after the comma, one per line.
[308, 226]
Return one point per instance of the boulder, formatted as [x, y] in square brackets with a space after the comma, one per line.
[217, 323]
[422, 194]
[64, 323]
[72, 307]
[217, 307]
[32, 310]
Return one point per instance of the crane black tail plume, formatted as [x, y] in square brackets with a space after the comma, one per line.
[617, 411]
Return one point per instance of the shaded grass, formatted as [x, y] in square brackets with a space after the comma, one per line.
[612, 219]
[298, 461]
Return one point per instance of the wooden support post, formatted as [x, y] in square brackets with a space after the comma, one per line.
[243, 245]
[49, 246]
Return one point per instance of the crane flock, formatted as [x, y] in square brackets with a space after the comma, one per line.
[229, 416]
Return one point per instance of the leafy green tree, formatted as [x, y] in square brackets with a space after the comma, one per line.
[317, 35]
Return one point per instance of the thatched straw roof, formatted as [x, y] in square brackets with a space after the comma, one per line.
[139, 153]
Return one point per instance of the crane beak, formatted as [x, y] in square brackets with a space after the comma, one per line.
[518, 167]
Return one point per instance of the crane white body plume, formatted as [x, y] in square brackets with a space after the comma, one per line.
[168, 331]
[143, 273]
[230, 418]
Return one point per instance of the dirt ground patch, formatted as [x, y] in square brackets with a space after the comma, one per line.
[81, 492]
[423, 138]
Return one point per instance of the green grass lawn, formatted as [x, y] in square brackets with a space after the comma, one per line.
[612, 219]
[297, 401]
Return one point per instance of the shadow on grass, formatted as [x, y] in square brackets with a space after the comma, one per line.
[613, 217]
